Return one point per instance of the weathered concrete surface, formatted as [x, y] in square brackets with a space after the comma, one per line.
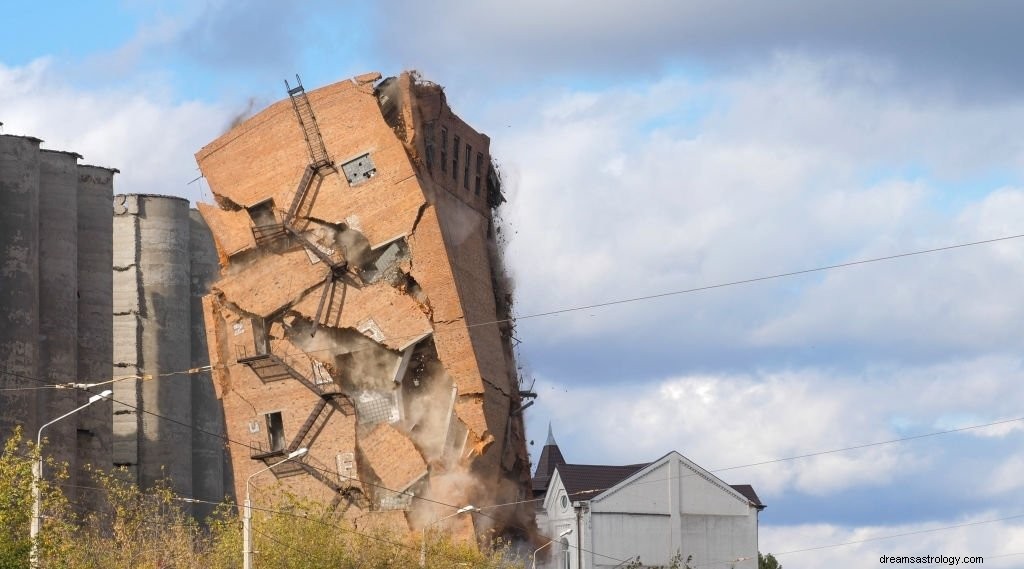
[209, 479]
[95, 323]
[166, 420]
[58, 297]
[405, 338]
[55, 324]
[19, 298]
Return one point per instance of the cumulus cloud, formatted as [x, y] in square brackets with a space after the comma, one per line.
[752, 420]
[681, 184]
[149, 138]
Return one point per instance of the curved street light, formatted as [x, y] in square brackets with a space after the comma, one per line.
[37, 476]
[560, 536]
[247, 512]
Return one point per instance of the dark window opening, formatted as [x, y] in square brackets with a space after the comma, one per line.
[429, 145]
[262, 214]
[444, 149]
[479, 171]
[455, 160]
[275, 430]
[465, 175]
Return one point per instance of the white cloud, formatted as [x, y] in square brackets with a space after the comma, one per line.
[139, 131]
[723, 421]
[790, 169]
[1001, 543]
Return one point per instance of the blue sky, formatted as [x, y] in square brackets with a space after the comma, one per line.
[657, 146]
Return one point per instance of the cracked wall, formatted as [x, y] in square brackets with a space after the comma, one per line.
[355, 232]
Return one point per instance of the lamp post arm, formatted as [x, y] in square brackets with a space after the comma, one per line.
[247, 511]
[37, 477]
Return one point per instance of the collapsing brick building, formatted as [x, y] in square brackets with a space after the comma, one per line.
[361, 311]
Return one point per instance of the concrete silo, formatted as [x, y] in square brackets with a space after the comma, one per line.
[55, 244]
[95, 331]
[162, 254]
[19, 295]
[58, 298]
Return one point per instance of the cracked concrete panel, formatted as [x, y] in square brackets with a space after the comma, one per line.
[128, 226]
[126, 326]
[232, 230]
[392, 457]
[126, 291]
[398, 317]
[276, 281]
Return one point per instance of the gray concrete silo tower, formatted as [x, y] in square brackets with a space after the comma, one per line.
[163, 261]
[55, 254]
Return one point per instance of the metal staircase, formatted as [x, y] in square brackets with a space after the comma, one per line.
[318, 157]
[318, 417]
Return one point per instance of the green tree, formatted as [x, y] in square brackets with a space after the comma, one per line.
[152, 529]
[16, 505]
[767, 562]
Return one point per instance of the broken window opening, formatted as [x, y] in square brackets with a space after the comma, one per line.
[262, 213]
[465, 174]
[358, 170]
[444, 149]
[275, 431]
[455, 160]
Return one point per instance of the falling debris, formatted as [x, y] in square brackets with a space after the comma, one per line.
[357, 305]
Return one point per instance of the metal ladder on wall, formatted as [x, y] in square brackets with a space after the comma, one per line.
[318, 158]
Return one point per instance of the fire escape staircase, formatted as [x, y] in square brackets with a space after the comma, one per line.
[269, 367]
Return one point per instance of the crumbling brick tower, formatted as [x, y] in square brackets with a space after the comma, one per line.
[355, 311]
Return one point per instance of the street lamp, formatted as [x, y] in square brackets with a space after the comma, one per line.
[37, 476]
[247, 512]
[423, 540]
[560, 536]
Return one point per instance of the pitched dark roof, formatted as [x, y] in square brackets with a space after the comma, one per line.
[584, 481]
[748, 492]
[550, 458]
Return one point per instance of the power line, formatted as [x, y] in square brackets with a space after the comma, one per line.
[614, 302]
[596, 490]
[750, 280]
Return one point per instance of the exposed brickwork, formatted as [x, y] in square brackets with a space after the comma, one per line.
[358, 306]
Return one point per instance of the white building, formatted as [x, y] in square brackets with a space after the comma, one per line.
[611, 514]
